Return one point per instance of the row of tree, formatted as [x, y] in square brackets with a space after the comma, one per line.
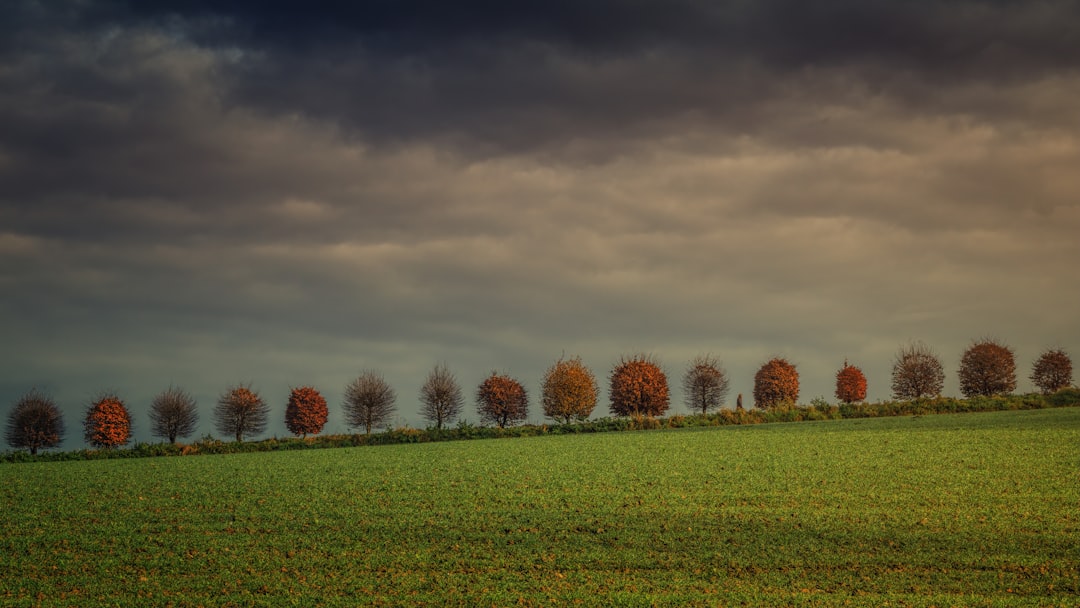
[638, 386]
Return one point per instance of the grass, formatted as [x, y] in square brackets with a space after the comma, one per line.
[952, 510]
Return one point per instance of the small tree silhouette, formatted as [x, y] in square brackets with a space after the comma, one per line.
[241, 412]
[1052, 371]
[441, 399]
[306, 411]
[107, 423]
[776, 382]
[987, 368]
[917, 372]
[173, 414]
[639, 387]
[502, 400]
[35, 423]
[705, 384]
[369, 401]
[850, 384]
[569, 391]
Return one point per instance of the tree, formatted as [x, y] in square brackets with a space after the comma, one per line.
[369, 402]
[35, 423]
[441, 399]
[569, 391]
[850, 384]
[173, 414]
[776, 382]
[107, 423]
[917, 372]
[638, 387]
[501, 400]
[705, 384]
[241, 411]
[306, 411]
[987, 368]
[1053, 371]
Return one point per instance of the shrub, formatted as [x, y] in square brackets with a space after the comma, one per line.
[241, 411]
[35, 423]
[441, 399]
[850, 384]
[369, 402]
[501, 400]
[705, 385]
[107, 423]
[917, 372]
[569, 391]
[173, 414]
[775, 383]
[639, 387]
[1052, 371]
[987, 368]
[306, 411]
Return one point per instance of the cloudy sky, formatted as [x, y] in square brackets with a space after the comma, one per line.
[203, 193]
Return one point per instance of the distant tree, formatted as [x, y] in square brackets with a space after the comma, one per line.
[241, 412]
[441, 399]
[369, 402]
[569, 391]
[850, 384]
[1053, 371]
[705, 384]
[173, 414]
[35, 423]
[776, 382]
[107, 423]
[501, 400]
[306, 411]
[917, 372]
[987, 368]
[638, 387]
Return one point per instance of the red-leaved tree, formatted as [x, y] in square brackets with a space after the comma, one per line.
[1052, 371]
[501, 400]
[987, 368]
[107, 423]
[776, 382]
[569, 391]
[306, 411]
[850, 384]
[638, 387]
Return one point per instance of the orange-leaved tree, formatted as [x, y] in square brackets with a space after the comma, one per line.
[569, 391]
[705, 384]
[1052, 371]
[987, 368]
[306, 411]
[638, 387]
[501, 400]
[35, 423]
[107, 423]
[241, 411]
[776, 382]
[850, 384]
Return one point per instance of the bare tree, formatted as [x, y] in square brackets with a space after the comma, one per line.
[705, 384]
[35, 423]
[241, 411]
[987, 368]
[441, 399]
[369, 402]
[917, 372]
[1053, 371]
[173, 414]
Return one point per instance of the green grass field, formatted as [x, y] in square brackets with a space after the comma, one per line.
[950, 510]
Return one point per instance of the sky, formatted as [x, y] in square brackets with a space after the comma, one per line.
[203, 194]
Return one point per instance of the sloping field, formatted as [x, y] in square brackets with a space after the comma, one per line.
[951, 510]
